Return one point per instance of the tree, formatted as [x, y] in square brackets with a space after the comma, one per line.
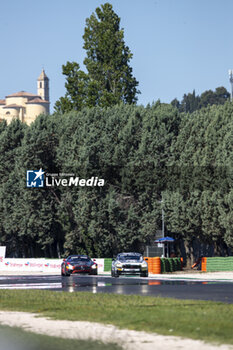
[10, 142]
[207, 98]
[109, 78]
[144, 155]
[40, 224]
[193, 102]
[81, 91]
[175, 103]
[222, 94]
[190, 102]
[217, 97]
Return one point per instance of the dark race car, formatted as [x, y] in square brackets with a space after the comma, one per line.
[78, 264]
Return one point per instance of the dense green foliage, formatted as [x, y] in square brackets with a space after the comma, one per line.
[145, 155]
[109, 78]
[191, 102]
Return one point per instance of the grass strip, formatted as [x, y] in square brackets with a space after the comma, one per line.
[206, 320]
[13, 338]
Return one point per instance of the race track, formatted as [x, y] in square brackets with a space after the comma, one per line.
[152, 286]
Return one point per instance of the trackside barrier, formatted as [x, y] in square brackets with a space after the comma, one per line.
[52, 265]
[39, 265]
[171, 264]
[210, 264]
[158, 265]
[154, 265]
[107, 264]
[2, 252]
[100, 263]
[203, 264]
[24, 265]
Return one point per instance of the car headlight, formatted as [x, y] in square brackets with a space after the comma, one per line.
[70, 267]
[144, 264]
[118, 264]
[94, 266]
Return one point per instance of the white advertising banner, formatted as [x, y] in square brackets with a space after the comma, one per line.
[12, 264]
[39, 265]
[2, 252]
[52, 265]
[100, 263]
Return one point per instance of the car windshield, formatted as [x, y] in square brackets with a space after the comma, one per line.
[79, 259]
[129, 257]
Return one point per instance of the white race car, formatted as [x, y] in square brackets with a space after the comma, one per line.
[129, 264]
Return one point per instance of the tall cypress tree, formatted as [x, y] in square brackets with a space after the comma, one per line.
[109, 79]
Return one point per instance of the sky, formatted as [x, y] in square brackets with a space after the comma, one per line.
[177, 45]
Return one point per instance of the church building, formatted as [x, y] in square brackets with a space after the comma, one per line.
[25, 105]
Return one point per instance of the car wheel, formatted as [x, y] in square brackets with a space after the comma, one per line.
[67, 273]
[62, 273]
[144, 274]
[94, 273]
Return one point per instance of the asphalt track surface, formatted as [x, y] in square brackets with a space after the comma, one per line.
[181, 289]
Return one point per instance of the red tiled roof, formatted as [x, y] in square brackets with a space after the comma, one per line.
[22, 94]
[13, 105]
[2, 102]
[37, 100]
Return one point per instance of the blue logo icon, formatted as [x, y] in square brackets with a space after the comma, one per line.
[35, 178]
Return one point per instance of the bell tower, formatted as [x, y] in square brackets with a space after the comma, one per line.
[43, 86]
